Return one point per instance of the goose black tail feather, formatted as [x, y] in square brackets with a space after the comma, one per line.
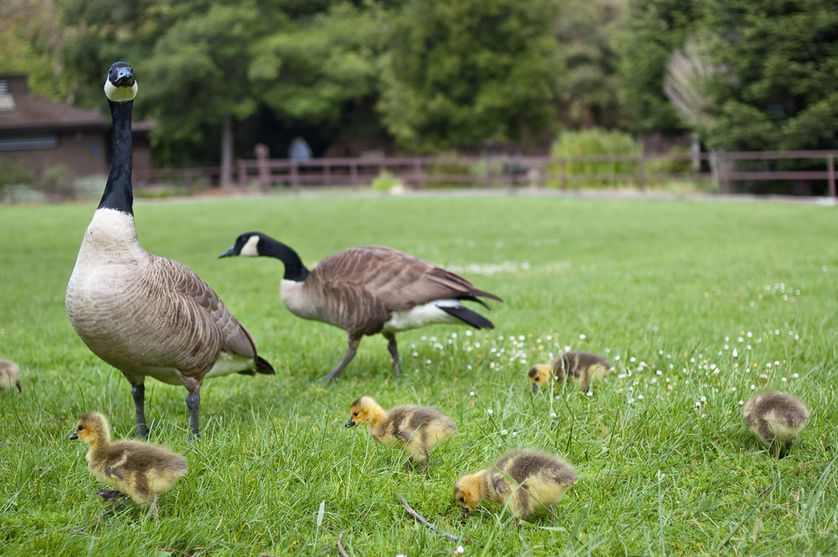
[468, 317]
[264, 367]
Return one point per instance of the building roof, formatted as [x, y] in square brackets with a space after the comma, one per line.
[22, 110]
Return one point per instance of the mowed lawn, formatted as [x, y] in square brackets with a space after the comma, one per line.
[698, 305]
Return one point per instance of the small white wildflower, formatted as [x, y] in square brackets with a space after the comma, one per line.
[621, 376]
[428, 362]
[692, 360]
[697, 403]
[453, 335]
[735, 353]
[514, 434]
[654, 380]
[768, 365]
[727, 347]
[617, 357]
[568, 348]
[552, 414]
[741, 402]
[468, 366]
[639, 397]
[472, 393]
[749, 334]
[460, 550]
[776, 363]
[733, 389]
[795, 375]
[740, 339]
[727, 339]
[667, 379]
[658, 372]
[500, 337]
[521, 337]
[503, 432]
[490, 411]
[748, 347]
[783, 379]
[591, 393]
[703, 399]
[632, 359]
[582, 336]
[469, 333]
[415, 354]
[477, 345]
[753, 387]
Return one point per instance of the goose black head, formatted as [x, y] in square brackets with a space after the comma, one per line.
[246, 244]
[121, 85]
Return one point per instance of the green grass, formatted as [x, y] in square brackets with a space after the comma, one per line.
[678, 285]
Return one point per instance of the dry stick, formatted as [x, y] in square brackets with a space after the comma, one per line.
[341, 550]
[431, 526]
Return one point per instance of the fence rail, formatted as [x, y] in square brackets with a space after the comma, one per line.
[723, 168]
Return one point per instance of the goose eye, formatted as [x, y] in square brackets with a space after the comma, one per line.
[354, 414]
[462, 499]
[80, 428]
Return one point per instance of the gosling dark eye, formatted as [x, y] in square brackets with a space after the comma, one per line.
[354, 414]
[462, 499]
[79, 428]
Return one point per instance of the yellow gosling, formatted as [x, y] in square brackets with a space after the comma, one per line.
[776, 419]
[9, 372]
[526, 481]
[418, 428]
[139, 470]
[582, 367]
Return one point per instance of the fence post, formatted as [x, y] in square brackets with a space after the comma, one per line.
[353, 172]
[295, 176]
[830, 168]
[240, 170]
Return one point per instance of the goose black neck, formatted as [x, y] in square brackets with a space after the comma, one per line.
[294, 268]
[118, 192]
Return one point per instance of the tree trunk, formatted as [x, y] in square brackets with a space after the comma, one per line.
[226, 151]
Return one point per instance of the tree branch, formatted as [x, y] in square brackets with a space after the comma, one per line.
[431, 526]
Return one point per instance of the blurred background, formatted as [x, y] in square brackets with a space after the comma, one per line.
[675, 95]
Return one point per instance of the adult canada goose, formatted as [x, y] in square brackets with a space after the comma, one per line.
[143, 314]
[368, 290]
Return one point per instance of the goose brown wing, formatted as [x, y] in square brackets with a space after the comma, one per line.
[396, 280]
[206, 308]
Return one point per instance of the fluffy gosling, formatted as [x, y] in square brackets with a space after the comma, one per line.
[777, 419]
[9, 372]
[418, 428]
[137, 469]
[527, 481]
[584, 367]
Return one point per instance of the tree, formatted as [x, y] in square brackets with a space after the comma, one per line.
[777, 88]
[653, 31]
[457, 74]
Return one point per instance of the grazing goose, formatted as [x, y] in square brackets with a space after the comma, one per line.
[147, 315]
[9, 372]
[777, 419]
[368, 290]
[418, 428]
[527, 480]
[136, 469]
[573, 366]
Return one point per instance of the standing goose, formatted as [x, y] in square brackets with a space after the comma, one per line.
[368, 290]
[143, 314]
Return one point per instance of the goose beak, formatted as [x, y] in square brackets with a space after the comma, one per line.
[350, 423]
[464, 512]
[229, 253]
[73, 435]
[534, 388]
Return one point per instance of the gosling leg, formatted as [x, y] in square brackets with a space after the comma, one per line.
[138, 393]
[350, 353]
[394, 353]
[110, 494]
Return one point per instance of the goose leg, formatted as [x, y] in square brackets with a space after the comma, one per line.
[193, 402]
[350, 353]
[394, 353]
[138, 393]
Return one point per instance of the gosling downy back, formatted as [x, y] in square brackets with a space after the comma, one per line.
[776, 419]
[9, 375]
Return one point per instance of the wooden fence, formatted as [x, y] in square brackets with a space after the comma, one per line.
[722, 168]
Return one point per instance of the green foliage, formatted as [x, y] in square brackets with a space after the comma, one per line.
[57, 182]
[671, 284]
[592, 143]
[13, 172]
[778, 87]
[385, 181]
[458, 74]
[653, 30]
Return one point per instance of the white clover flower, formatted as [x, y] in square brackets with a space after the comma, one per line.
[617, 357]
[514, 434]
[521, 337]
[632, 359]
[697, 403]
[639, 397]
[741, 402]
[667, 379]
[703, 399]
[795, 375]
[654, 380]
[415, 354]
[469, 333]
[503, 432]
[591, 393]
[553, 414]
[582, 336]
[749, 334]
[753, 387]
[783, 379]
[692, 360]
[468, 366]
[735, 353]
[472, 393]
[658, 372]
[733, 389]
[460, 550]
[490, 411]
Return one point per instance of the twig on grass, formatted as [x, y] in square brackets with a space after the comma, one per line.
[341, 551]
[431, 526]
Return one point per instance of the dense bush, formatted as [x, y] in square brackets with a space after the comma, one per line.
[566, 170]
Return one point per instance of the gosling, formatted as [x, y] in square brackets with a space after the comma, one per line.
[584, 367]
[777, 419]
[418, 428]
[9, 372]
[527, 481]
[138, 470]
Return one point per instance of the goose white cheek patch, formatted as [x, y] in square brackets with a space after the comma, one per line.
[120, 94]
[249, 248]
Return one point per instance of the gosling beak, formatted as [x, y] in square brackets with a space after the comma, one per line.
[534, 388]
[350, 423]
[464, 513]
[229, 252]
[73, 435]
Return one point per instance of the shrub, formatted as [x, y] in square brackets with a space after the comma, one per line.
[587, 143]
[13, 172]
[384, 181]
[57, 182]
